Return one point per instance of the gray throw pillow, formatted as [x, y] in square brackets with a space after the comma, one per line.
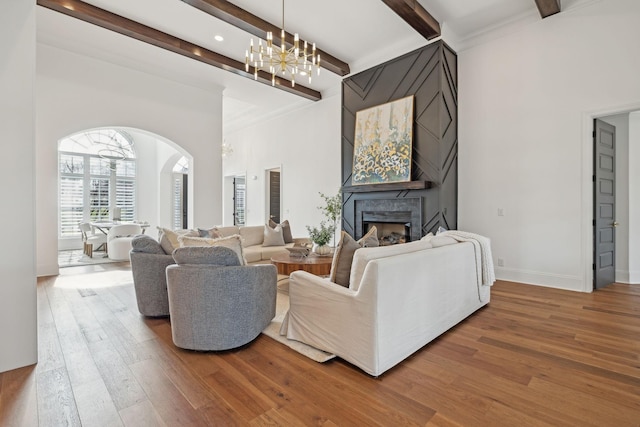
[211, 255]
[342, 259]
[146, 244]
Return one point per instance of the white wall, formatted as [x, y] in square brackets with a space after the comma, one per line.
[18, 323]
[77, 92]
[634, 200]
[306, 145]
[525, 105]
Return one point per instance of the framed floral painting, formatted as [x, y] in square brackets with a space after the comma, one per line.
[382, 143]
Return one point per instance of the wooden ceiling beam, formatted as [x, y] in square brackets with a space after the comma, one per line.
[238, 17]
[548, 7]
[119, 24]
[416, 16]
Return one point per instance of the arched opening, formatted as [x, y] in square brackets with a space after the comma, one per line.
[97, 179]
[114, 173]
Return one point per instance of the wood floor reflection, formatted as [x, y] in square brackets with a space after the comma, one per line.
[534, 356]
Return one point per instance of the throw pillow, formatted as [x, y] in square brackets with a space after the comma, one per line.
[232, 242]
[343, 256]
[370, 240]
[169, 238]
[211, 233]
[146, 244]
[273, 236]
[342, 259]
[286, 230]
[212, 255]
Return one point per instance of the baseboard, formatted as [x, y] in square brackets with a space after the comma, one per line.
[622, 276]
[634, 278]
[569, 283]
[47, 270]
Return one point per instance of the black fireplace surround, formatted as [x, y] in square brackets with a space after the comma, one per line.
[407, 211]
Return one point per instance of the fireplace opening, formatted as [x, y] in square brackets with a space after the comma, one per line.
[393, 227]
[391, 233]
[397, 220]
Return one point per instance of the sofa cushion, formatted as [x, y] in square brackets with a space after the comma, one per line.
[146, 244]
[213, 255]
[361, 258]
[232, 242]
[252, 253]
[273, 236]
[286, 230]
[252, 235]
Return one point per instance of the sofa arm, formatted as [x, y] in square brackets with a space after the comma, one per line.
[332, 318]
[150, 282]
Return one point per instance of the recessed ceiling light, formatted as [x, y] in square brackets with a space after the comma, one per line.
[219, 38]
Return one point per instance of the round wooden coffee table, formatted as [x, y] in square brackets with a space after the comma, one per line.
[314, 264]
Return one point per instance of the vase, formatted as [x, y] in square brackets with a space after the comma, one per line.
[321, 250]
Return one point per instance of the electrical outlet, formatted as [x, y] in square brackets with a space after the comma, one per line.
[500, 262]
[500, 211]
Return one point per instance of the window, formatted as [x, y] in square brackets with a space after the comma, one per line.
[180, 179]
[239, 199]
[97, 172]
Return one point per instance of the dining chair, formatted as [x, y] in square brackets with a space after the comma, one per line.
[89, 239]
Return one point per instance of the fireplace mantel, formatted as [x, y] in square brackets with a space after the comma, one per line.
[393, 186]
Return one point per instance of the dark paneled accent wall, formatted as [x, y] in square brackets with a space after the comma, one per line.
[430, 74]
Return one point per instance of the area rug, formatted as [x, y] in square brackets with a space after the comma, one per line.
[74, 258]
[273, 330]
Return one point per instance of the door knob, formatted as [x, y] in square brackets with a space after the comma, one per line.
[615, 224]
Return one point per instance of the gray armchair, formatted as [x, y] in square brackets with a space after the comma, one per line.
[215, 303]
[148, 265]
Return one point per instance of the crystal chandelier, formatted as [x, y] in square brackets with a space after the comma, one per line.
[278, 60]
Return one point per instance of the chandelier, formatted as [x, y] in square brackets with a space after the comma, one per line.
[278, 60]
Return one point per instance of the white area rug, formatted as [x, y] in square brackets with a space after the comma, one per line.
[76, 257]
[273, 331]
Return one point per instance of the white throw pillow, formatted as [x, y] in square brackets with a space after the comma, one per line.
[273, 236]
[232, 242]
[169, 238]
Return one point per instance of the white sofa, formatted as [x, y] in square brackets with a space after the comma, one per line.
[252, 239]
[399, 298]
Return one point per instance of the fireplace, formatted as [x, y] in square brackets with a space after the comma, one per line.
[397, 220]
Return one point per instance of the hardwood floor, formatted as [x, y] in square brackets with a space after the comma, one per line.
[535, 356]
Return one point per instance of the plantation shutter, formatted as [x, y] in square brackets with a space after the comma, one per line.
[177, 201]
[71, 205]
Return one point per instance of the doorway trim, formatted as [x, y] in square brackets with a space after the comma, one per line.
[227, 196]
[267, 190]
[587, 187]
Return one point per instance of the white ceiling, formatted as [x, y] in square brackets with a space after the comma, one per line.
[362, 33]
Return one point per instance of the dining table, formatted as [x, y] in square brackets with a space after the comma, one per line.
[104, 226]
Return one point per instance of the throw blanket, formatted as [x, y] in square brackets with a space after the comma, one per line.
[482, 247]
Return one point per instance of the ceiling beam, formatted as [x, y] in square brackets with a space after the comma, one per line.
[548, 7]
[105, 19]
[416, 16]
[238, 17]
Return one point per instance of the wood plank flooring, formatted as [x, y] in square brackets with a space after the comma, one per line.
[534, 357]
